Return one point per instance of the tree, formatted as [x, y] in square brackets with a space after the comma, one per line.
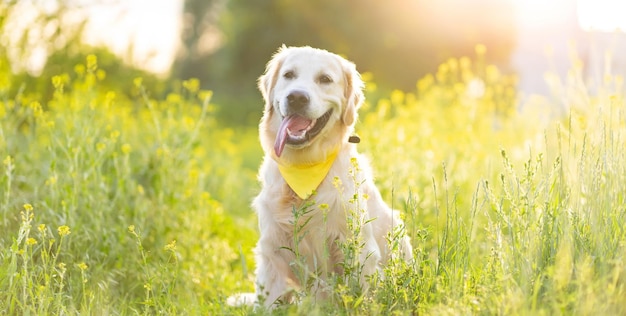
[199, 37]
[397, 40]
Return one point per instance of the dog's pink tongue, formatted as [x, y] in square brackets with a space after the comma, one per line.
[294, 123]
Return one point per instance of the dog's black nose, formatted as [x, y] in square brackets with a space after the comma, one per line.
[298, 99]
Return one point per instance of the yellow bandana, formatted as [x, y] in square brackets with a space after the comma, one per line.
[305, 178]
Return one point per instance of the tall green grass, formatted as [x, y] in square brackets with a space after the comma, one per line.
[522, 216]
[115, 204]
[141, 185]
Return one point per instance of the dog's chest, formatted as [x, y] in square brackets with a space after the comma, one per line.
[324, 213]
[336, 196]
[317, 226]
[317, 233]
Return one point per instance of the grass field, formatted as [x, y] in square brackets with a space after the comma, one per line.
[113, 204]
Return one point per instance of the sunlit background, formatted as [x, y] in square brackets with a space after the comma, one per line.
[174, 39]
[152, 27]
[601, 15]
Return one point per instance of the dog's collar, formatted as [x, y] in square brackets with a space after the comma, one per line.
[303, 179]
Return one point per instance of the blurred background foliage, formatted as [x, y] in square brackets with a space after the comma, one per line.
[398, 41]
[53, 35]
[225, 44]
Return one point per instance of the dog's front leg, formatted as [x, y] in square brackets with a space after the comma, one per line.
[370, 256]
[272, 275]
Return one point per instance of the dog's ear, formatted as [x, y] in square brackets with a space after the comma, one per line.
[268, 80]
[353, 92]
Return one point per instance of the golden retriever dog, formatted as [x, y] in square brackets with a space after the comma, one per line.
[312, 165]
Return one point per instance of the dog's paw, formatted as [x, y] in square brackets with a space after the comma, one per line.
[241, 299]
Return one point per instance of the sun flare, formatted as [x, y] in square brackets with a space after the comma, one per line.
[602, 15]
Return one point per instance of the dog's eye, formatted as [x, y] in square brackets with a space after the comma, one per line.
[289, 75]
[324, 79]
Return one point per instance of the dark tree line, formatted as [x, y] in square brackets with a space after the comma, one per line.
[226, 43]
[397, 40]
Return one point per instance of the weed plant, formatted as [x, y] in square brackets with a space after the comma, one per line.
[115, 204]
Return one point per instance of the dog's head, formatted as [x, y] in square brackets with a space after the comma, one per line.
[311, 101]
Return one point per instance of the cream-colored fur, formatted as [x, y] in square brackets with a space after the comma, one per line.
[327, 226]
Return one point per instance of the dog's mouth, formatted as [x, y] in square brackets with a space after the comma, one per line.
[298, 130]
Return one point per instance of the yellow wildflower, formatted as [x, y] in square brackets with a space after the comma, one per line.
[82, 266]
[79, 69]
[138, 82]
[336, 182]
[171, 246]
[36, 108]
[115, 134]
[193, 85]
[8, 161]
[110, 96]
[52, 180]
[61, 267]
[92, 62]
[101, 74]
[64, 230]
[126, 149]
[173, 98]
[205, 94]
